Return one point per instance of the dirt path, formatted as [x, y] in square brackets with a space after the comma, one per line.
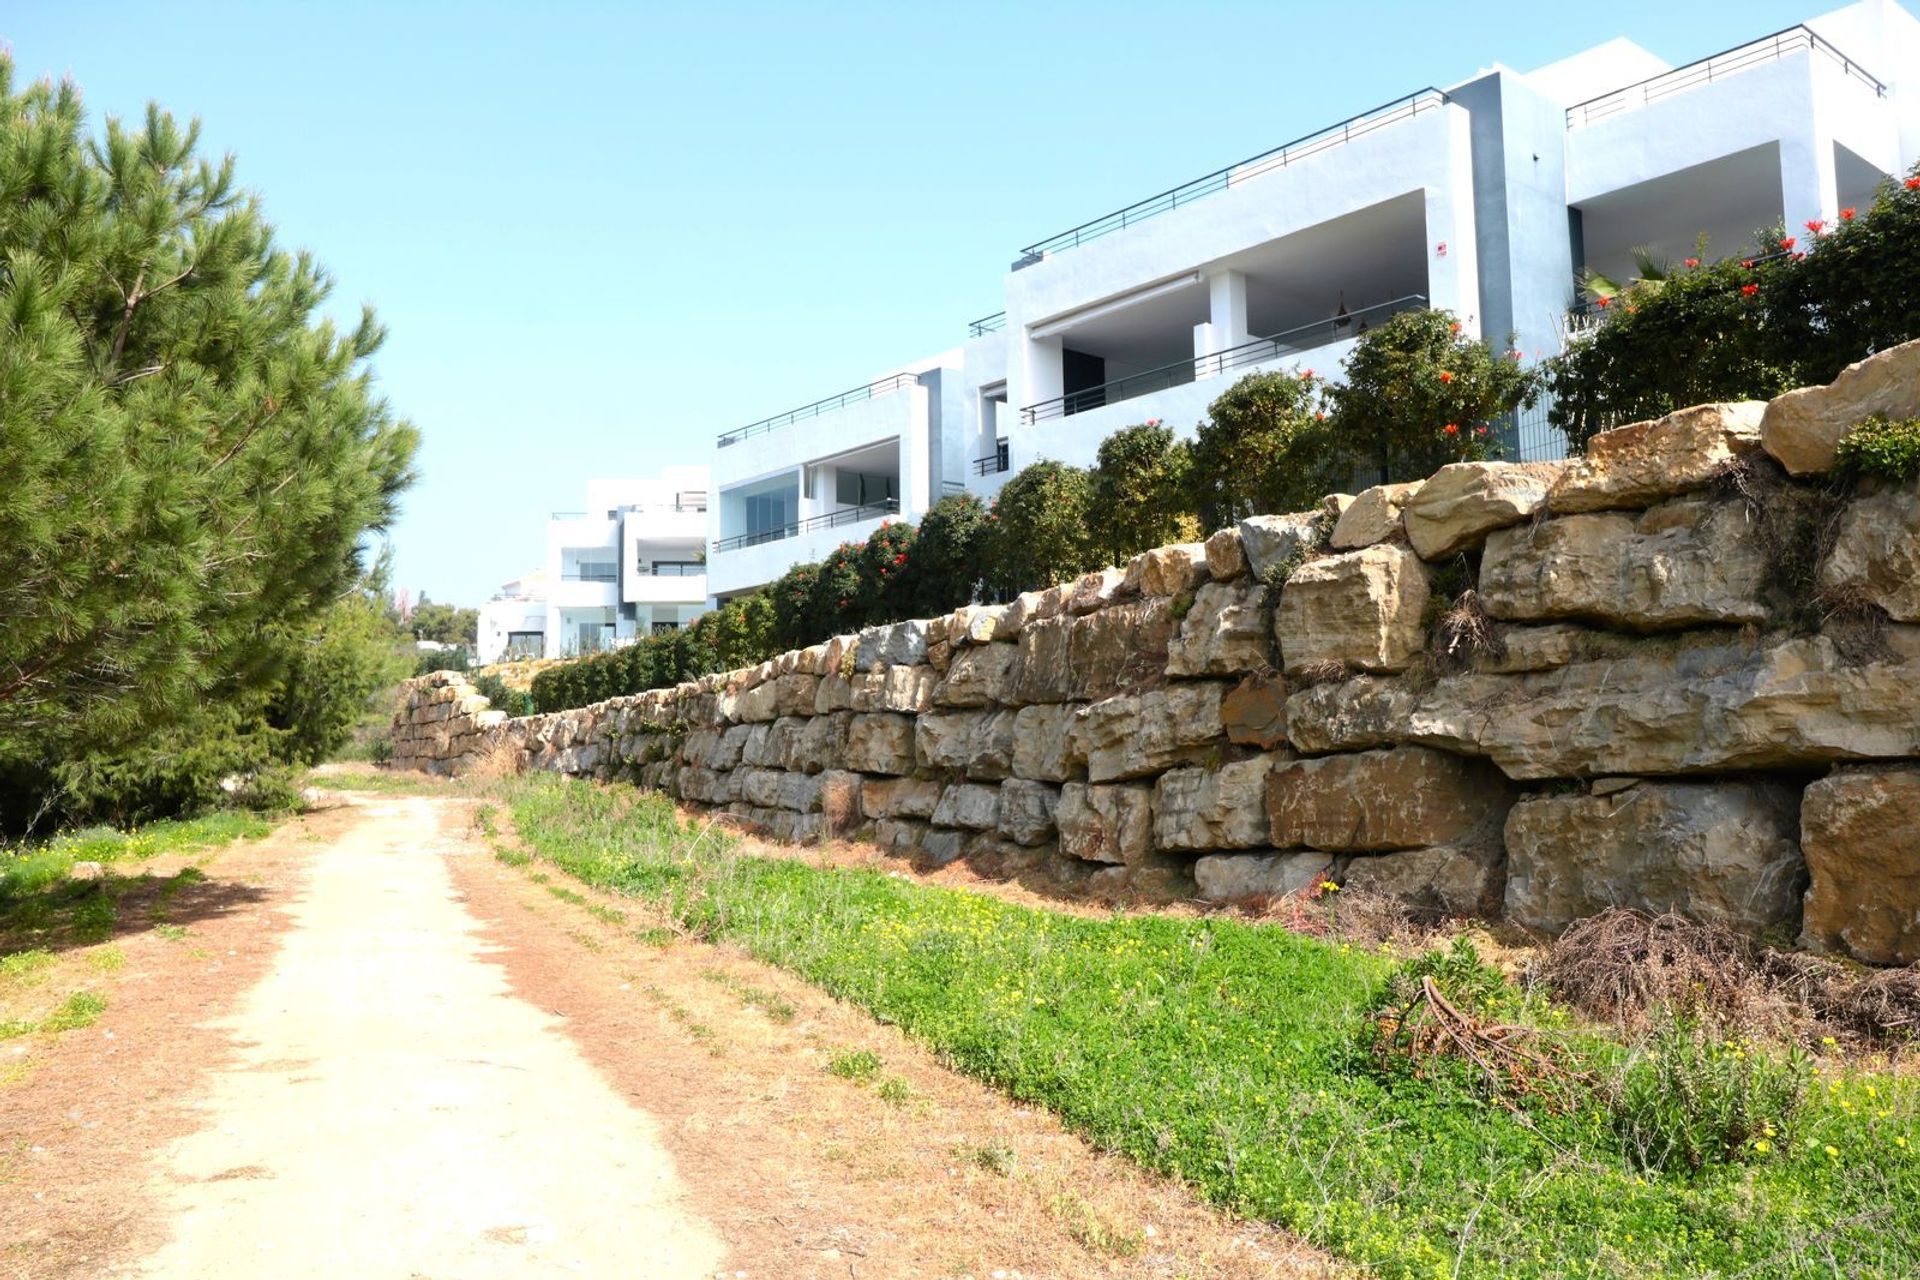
[397, 1112]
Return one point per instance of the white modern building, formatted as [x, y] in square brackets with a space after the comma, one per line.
[632, 564]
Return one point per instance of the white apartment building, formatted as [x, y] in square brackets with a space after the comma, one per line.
[1488, 198]
[633, 563]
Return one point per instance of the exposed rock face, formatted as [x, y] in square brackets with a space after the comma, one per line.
[1166, 571]
[1235, 877]
[1462, 502]
[1446, 880]
[1043, 747]
[1724, 853]
[1135, 735]
[899, 797]
[978, 676]
[1094, 590]
[1120, 648]
[977, 743]
[1801, 429]
[1359, 609]
[1376, 801]
[900, 644]
[1373, 516]
[1105, 824]
[1860, 831]
[880, 742]
[1255, 711]
[1647, 462]
[1683, 563]
[1876, 553]
[1026, 814]
[1226, 558]
[1225, 632]
[1219, 808]
[1280, 542]
[970, 805]
[1659, 709]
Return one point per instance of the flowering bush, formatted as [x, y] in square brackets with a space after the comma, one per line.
[1263, 449]
[1140, 491]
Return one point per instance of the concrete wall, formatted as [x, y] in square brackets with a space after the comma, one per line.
[1630, 707]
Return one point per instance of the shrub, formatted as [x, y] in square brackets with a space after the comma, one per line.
[432, 660]
[1141, 491]
[886, 565]
[495, 691]
[1419, 394]
[1692, 1096]
[1040, 534]
[1880, 449]
[948, 562]
[793, 604]
[840, 595]
[1265, 448]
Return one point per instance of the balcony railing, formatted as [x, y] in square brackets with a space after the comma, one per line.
[673, 569]
[1731, 62]
[586, 574]
[872, 390]
[1312, 144]
[1291, 342]
[987, 324]
[994, 463]
[831, 520]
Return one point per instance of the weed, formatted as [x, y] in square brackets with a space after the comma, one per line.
[24, 968]
[995, 1157]
[895, 1090]
[776, 1007]
[1692, 1096]
[1880, 449]
[1086, 1224]
[82, 1009]
[106, 959]
[172, 932]
[855, 1064]
[655, 936]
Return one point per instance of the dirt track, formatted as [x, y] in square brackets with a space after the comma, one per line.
[383, 1053]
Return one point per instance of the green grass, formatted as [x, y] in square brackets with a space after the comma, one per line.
[81, 1009]
[855, 1064]
[1235, 1057]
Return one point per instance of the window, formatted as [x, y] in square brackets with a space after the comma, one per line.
[858, 488]
[665, 628]
[525, 644]
[676, 568]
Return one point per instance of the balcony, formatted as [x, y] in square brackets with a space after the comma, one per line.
[793, 529]
[591, 573]
[872, 390]
[987, 324]
[1336, 135]
[1720, 66]
[1294, 341]
[994, 463]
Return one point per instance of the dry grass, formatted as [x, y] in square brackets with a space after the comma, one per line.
[1463, 633]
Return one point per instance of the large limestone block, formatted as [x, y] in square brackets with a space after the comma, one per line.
[758, 787]
[1135, 735]
[758, 704]
[1043, 742]
[1446, 880]
[1224, 632]
[1044, 670]
[978, 676]
[1378, 801]
[1683, 563]
[1105, 824]
[794, 694]
[879, 742]
[1220, 808]
[898, 644]
[1802, 428]
[976, 743]
[1280, 542]
[1646, 462]
[1876, 553]
[899, 797]
[1166, 571]
[976, 624]
[1255, 711]
[1096, 590]
[818, 743]
[1119, 649]
[1226, 557]
[1359, 609]
[801, 792]
[969, 805]
[1725, 853]
[1026, 814]
[1860, 830]
[705, 786]
[1374, 516]
[1462, 502]
[1236, 877]
[1662, 707]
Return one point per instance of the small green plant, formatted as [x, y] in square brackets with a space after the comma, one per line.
[994, 1157]
[1880, 449]
[82, 1009]
[895, 1090]
[171, 932]
[1692, 1096]
[855, 1064]
[1085, 1223]
[776, 1007]
[24, 968]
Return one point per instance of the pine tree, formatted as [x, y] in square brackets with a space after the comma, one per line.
[189, 453]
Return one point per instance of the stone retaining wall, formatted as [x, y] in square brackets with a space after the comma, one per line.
[1536, 690]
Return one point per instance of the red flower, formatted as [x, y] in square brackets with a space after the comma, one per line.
[1846, 214]
[1514, 354]
[1445, 376]
[901, 558]
[1692, 263]
[1749, 289]
[1747, 263]
[1305, 374]
[1452, 428]
[1816, 226]
[1479, 431]
[1800, 255]
[1787, 243]
[1320, 417]
[1455, 326]
[1604, 301]
[1913, 184]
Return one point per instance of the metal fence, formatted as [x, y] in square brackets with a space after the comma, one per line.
[793, 529]
[1730, 62]
[872, 390]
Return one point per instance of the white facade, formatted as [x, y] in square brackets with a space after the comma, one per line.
[514, 623]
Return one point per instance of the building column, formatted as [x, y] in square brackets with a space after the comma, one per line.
[1226, 324]
[1808, 185]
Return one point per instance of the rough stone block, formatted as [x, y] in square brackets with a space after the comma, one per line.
[1376, 801]
[1026, 814]
[1447, 880]
[1280, 542]
[1226, 631]
[1105, 824]
[1462, 502]
[897, 644]
[1120, 648]
[1373, 516]
[1043, 742]
[1166, 571]
[1860, 830]
[1802, 428]
[1217, 808]
[979, 676]
[1226, 558]
[1876, 553]
[1255, 711]
[1360, 609]
[1236, 877]
[880, 742]
[899, 797]
[969, 805]
[1135, 735]
[1648, 462]
[977, 743]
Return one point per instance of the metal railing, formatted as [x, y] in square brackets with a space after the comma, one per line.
[948, 488]
[994, 463]
[872, 390]
[608, 574]
[569, 515]
[1333, 135]
[1290, 342]
[793, 529]
[1719, 66]
[672, 569]
[987, 324]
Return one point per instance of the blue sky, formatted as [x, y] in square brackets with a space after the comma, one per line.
[603, 233]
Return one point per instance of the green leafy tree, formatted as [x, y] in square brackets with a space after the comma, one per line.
[1419, 394]
[948, 561]
[444, 623]
[1264, 449]
[1040, 528]
[793, 597]
[840, 595]
[886, 573]
[1142, 489]
[1854, 289]
[189, 453]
